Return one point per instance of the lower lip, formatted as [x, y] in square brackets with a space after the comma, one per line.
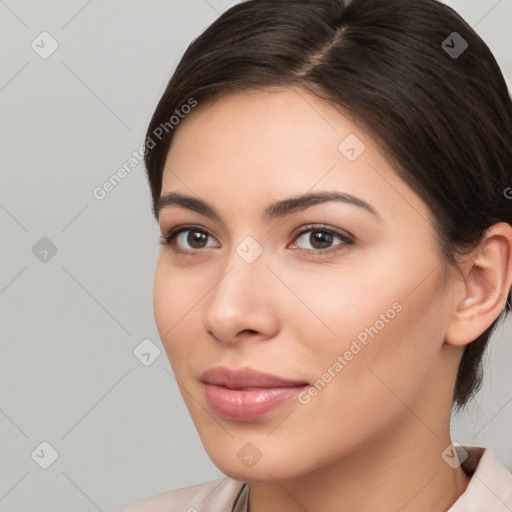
[248, 404]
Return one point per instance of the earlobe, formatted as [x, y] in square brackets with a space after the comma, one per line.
[487, 282]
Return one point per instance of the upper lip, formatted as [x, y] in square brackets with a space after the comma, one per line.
[246, 378]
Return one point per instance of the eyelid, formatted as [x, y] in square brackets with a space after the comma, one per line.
[323, 227]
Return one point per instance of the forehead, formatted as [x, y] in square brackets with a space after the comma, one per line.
[262, 145]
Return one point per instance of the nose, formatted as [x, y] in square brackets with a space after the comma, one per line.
[239, 306]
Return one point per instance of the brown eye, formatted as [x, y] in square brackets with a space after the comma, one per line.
[321, 240]
[196, 239]
[187, 239]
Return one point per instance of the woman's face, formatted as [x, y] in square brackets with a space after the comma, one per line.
[346, 299]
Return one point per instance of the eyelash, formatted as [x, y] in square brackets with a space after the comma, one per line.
[167, 240]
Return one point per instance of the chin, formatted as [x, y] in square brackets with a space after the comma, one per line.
[233, 458]
[260, 472]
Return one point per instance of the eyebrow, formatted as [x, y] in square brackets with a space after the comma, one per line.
[273, 211]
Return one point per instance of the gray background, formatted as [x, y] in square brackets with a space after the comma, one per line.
[71, 322]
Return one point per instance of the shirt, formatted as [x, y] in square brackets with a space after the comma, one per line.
[489, 490]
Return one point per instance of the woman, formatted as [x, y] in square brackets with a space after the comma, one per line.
[336, 252]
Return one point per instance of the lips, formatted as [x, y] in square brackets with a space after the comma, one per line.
[246, 378]
[246, 394]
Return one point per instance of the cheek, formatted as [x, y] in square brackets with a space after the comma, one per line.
[376, 330]
[387, 366]
[174, 310]
[370, 391]
[339, 304]
[164, 301]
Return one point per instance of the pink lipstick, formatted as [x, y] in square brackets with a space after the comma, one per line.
[246, 394]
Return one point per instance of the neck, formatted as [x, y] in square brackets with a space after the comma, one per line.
[401, 470]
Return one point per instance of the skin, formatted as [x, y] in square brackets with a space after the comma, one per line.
[372, 438]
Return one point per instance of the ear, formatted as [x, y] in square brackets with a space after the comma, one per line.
[487, 279]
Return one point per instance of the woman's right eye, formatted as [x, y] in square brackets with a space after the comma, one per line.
[186, 239]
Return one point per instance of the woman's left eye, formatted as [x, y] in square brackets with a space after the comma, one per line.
[320, 239]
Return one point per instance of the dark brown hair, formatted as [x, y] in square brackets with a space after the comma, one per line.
[441, 114]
